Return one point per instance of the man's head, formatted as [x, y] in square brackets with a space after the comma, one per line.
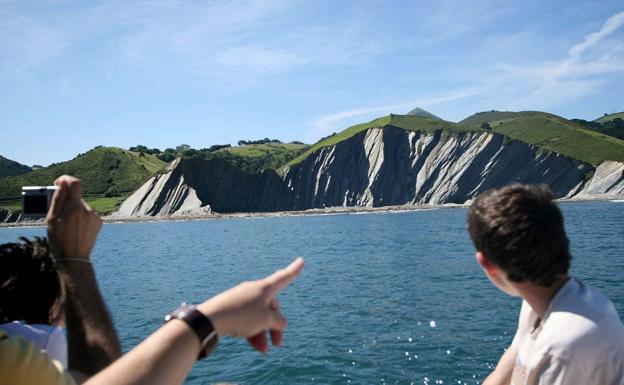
[520, 230]
[29, 282]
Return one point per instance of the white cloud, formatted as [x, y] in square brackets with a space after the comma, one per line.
[574, 76]
[612, 24]
[336, 121]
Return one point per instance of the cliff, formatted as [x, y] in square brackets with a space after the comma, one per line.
[608, 179]
[375, 167]
[7, 216]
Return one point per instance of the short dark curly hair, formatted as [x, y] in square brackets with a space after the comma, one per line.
[29, 281]
[520, 229]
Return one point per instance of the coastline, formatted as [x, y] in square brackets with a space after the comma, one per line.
[251, 215]
[110, 219]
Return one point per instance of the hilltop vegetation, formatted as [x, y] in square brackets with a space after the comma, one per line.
[613, 127]
[250, 155]
[554, 133]
[406, 122]
[487, 116]
[106, 172]
[10, 167]
[258, 157]
[610, 117]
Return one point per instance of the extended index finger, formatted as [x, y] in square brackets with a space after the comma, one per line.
[281, 278]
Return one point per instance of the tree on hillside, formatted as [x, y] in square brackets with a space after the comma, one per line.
[166, 156]
[138, 148]
[143, 149]
[259, 141]
[182, 148]
[216, 147]
[486, 126]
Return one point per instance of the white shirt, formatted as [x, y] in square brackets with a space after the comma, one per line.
[579, 341]
[50, 339]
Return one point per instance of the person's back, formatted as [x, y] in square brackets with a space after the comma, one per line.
[568, 332]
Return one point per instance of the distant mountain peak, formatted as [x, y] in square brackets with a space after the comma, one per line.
[423, 114]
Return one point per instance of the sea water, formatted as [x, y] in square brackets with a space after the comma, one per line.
[384, 298]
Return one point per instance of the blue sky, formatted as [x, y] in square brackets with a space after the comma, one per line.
[76, 74]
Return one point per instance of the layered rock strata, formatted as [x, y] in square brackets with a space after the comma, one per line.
[608, 179]
[377, 167]
[7, 216]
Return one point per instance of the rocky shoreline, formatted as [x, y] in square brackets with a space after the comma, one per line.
[310, 212]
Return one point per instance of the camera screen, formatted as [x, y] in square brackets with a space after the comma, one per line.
[36, 204]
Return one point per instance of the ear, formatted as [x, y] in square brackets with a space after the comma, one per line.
[488, 266]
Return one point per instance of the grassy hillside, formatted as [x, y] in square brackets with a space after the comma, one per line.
[257, 157]
[608, 118]
[554, 133]
[10, 167]
[487, 116]
[407, 122]
[108, 176]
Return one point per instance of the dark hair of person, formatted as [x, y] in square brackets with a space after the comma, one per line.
[520, 229]
[29, 281]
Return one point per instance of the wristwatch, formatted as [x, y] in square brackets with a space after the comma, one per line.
[201, 325]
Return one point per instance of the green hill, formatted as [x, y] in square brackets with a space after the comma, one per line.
[406, 122]
[487, 116]
[608, 118]
[554, 133]
[10, 167]
[108, 175]
[257, 157]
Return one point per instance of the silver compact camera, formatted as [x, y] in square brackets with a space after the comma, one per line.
[36, 200]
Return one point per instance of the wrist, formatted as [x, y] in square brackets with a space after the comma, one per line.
[71, 260]
[210, 310]
[201, 325]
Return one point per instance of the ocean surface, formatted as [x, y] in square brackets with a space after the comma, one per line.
[385, 298]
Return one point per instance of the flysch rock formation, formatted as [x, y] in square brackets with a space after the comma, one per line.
[164, 194]
[377, 167]
[608, 179]
[392, 166]
[7, 216]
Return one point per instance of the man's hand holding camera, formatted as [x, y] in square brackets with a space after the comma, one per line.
[73, 226]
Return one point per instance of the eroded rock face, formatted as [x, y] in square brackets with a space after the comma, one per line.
[7, 216]
[377, 167]
[164, 194]
[608, 179]
[392, 166]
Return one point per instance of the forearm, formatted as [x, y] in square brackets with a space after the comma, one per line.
[502, 374]
[92, 340]
[164, 358]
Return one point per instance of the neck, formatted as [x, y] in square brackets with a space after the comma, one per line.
[539, 297]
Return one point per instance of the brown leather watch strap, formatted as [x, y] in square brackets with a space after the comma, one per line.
[201, 325]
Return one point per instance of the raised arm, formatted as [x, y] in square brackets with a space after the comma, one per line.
[165, 358]
[72, 229]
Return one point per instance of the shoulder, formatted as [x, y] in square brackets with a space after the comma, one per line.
[583, 330]
[23, 364]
